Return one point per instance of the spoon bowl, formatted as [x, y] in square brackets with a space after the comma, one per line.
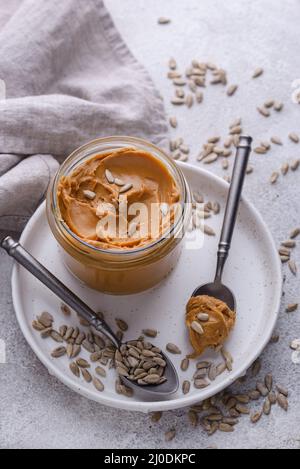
[219, 291]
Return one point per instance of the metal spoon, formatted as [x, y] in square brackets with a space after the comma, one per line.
[15, 250]
[217, 289]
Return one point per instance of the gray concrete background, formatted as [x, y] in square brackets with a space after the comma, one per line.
[37, 411]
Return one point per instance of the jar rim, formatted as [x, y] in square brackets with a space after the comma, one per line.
[122, 141]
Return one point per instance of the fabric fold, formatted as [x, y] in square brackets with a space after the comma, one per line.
[69, 79]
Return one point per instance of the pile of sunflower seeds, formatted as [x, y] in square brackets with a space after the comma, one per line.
[284, 170]
[286, 249]
[202, 211]
[142, 362]
[224, 411]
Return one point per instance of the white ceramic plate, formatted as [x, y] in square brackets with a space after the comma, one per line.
[253, 272]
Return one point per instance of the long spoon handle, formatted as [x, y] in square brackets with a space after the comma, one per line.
[15, 250]
[233, 202]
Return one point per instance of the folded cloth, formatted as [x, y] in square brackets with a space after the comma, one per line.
[69, 78]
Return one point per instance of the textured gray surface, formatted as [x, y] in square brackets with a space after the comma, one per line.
[38, 412]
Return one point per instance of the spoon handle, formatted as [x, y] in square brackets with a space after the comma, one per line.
[15, 250]
[233, 202]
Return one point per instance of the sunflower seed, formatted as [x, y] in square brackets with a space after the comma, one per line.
[294, 137]
[88, 346]
[278, 106]
[59, 352]
[180, 94]
[258, 72]
[293, 267]
[46, 333]
[174, 74]
[37, 326]
[284, 251]
[208, 230]
[196, 327]
[201, 383]
[274, 339]
[45, 319]
[83, 322]
[75, 369]
[295, 233]
[283, 402]
[264, 112]
[109, 176]
[172, 348]
[232, 90]
[221, 368]
[173, 122]
[243, 398]
[285, 169]
[56, 337]
[89, 194]
[163, 20]
[282, 390]
[272, 398]
[292, 307]
[269, 382]
[156, 416]
[274, 177]
[256, 416]
[200, 374]
[262, 389]
[178, 101]
[260, 150]
[82, 363]
[225, 428]
[179, 82]
[236, 130]
[125, 188]
[267, 407]
[203, 317]
[170, 435]
[199, 97]
[242, 409]
[254, 395]
[98, 384]
[212, 374]
[276, 141]
[295, 165]
[86, 375]
[189, 101]
[152, 379]
[172, 64]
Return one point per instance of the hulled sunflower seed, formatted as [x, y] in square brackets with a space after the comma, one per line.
[276, 140]
[211, 158]
[98, 384]
[285, 169]
[293, 267]
[46, 333]
[295, 233]
[65, 310]
[178, 101]
[274, 177]
[294, 137]
[180, 93]
[292, 308]
[269, 382]
[46, 319]
[260, 150]
[232, 90]
[173, 122]
[88, 346]
[283, 402]
[213, 373]
[262, 389]
[56, 337]
[242, 409]
[174, 74]
[263, 111]
[295, 165]
[221, 368]
[156, 416]
[203, 317]
[172, 64]
[186, 387]
[199, 97]
[82, 363]
[272, 398]
[59, 352]
[254, 395]
[189, 101]
[179, 82]
[163, 20]
[100, 371]
[109, 176]
[258, 72]
[122, 325]
[75, 369]
[278, 106]
[225, 428]
[150, 333]
[86, 375]
[201, 383]
[37, 326]
[89, 194]
[197, 328]
[172, 348]
[152, 379]
[208, 230]
[282, 390]
[256, 416]
[267, 407]
[170, 435]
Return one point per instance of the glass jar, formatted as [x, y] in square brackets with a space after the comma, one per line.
[119, 272]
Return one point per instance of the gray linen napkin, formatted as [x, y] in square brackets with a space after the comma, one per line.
[69, 79]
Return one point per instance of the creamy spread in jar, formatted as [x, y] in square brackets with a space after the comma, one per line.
[209, 322]
[95, 191]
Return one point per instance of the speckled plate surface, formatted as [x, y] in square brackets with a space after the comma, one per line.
[253, 272]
